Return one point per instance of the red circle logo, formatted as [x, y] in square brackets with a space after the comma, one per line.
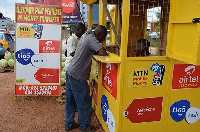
[68, 6]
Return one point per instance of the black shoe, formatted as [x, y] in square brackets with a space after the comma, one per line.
[74, 126]
[90, 129]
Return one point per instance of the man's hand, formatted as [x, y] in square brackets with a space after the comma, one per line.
[102, 52]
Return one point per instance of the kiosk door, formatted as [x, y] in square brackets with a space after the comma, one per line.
[183, 42]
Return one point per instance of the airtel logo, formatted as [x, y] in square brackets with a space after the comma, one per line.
[71, 4]
[68, 6]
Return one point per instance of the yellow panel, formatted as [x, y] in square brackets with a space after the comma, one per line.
[114, 16]
[88, 2]
[183, 37]
[189, 94]
[90, 16]
[184, 42]
[141, 91]
[95, 74]
[111, 58]
[114, 104]
[184, 10]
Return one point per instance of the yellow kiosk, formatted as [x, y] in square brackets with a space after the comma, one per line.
[148, 94]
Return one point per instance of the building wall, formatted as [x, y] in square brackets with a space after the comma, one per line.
[6, 23]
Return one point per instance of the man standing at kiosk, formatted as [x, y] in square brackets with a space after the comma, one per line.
[72, 42]
[77, 74]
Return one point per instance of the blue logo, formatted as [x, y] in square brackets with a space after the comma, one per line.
[104, 107]
[38, 60]
[23, 56]
[156, 68]
[179, 109]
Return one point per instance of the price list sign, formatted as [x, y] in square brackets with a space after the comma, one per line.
[37, 50]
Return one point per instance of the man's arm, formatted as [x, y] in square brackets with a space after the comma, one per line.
[102, 52]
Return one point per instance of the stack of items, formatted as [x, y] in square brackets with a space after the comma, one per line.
[63, 76]
[8, 62]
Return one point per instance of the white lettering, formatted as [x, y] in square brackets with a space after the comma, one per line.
[70, 4]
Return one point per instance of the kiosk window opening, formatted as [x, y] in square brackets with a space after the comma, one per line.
[148, 22]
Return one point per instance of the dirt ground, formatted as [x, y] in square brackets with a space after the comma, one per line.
[33, 113]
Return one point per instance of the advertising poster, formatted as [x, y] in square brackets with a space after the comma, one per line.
[38, 35]
[146, 76]
[186, 76]
[144, 110]
[70, 12]
[109, 78]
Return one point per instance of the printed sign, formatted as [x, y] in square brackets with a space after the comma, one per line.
[37, 89]
[110, 121]
[38, 60]
[44, 75]
[145, 76]
[68, 5]
[25, 31]
[38, 14]
[23, 56]
[37, 65]
[49, 46]
[178, 110]
[192, 115]
[37, 30]
[144, 110]
[104, 107]
[186, 76]
[107, 114]
[159, 71]
[109, 78]
[70, 11]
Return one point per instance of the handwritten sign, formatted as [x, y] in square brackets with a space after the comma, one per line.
[40, 15]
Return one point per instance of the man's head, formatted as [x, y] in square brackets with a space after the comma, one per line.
[80, 29]
[100, 33]
[142, 47]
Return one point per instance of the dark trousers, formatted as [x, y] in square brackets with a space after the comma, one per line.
[77, 94]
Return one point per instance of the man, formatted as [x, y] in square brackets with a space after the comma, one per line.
[72, 42]
[142, 48]
[77, 74]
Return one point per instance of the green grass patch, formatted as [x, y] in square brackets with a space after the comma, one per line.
[154, 44]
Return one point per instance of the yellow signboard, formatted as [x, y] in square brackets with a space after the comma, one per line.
[24, 31]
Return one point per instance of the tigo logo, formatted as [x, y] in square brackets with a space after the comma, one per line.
[178, 110]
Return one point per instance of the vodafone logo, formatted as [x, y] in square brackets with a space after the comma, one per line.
[68, 6]
[144, 110]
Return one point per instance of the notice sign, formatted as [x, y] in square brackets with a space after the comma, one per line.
[38, 14]
[109, 78]
[186, 76]
[144, 110]
[70, 10]
[37, 56]
[37, 89]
